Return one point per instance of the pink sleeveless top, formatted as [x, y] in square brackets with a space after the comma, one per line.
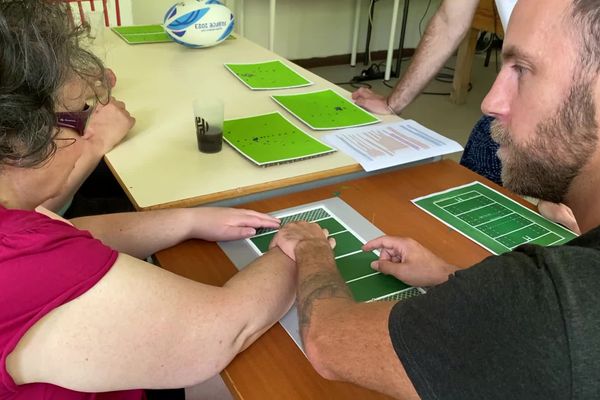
[44, 263]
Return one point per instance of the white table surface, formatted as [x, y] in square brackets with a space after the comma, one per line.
[158, 163]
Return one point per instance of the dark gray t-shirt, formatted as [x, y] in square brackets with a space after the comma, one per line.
[524, 325]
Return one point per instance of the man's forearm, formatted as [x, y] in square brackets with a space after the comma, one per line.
[318, 279]
[442, 37]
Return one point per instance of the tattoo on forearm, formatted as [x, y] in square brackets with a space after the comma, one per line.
[320, 285]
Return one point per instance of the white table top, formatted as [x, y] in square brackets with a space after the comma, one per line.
[158, 164]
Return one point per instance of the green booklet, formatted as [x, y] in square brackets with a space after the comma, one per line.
[271, 139]
[354, 264]
[492, 220]
[325, 109]
[138, 34]
[267, 75]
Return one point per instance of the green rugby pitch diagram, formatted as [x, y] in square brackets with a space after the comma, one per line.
[491, 219]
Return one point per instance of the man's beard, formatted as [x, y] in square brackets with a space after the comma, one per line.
[546, 165]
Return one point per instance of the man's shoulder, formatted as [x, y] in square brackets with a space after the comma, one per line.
[588, 239]
[574, 270]
[572, 261]
[533, 311]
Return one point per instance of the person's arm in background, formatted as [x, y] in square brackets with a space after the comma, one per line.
[442, 37]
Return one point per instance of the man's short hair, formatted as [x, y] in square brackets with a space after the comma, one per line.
[586, 14]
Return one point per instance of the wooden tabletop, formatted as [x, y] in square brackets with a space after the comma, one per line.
[159, 165]
[273, 367]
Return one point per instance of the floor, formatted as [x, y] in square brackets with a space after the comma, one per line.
[436, 112]
[212, 389]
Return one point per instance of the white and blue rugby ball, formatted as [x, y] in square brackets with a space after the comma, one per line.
[199, 23]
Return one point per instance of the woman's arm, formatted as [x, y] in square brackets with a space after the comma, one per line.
[143, 327]
[141, 234]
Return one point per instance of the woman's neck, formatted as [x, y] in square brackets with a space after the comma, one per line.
[14, 194]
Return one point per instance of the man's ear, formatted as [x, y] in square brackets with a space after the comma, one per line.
[597, 96]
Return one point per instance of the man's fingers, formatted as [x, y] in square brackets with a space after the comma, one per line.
[385, 255]
[374, 244]
[559, 213]
[361, 101]
[385, 242]
[332, 243]
[386, 267]
[274, 241]
[360, 93]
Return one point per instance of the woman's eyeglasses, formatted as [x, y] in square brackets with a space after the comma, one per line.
[76, 120]
[61, 143]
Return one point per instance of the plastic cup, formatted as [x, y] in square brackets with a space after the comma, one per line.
[208, 114]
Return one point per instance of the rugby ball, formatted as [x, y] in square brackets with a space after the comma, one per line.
[199, 23]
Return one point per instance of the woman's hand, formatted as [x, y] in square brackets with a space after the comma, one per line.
[217, 223]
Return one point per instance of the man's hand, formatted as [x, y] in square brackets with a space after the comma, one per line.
[292, 235]
[559, 213]
[371, 101]
[217, 223]
[108, 124]
[409, 261]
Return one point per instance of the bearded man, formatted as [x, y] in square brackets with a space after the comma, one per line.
[523, 325]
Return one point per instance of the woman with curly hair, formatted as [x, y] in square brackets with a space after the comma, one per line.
[81, 315]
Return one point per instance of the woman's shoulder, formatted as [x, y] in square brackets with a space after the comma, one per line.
[47, 259]
[39, 237]
[31, 226]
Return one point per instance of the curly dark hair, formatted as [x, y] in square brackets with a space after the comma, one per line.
[40, 50]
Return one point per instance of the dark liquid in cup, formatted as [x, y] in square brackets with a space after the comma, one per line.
[210, 140]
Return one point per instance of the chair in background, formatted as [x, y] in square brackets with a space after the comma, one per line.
[111, 10]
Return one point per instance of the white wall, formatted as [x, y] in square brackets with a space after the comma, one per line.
[310, 28]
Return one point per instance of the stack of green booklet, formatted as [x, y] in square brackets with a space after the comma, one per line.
[142, 34]
[325, 109]
[267, 75]
[138, 34]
